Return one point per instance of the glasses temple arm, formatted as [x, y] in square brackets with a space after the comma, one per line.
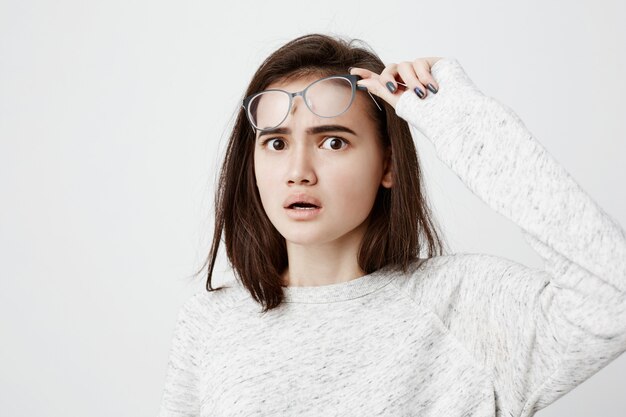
[374, 100]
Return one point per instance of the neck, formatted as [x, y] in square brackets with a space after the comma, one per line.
[324, 263]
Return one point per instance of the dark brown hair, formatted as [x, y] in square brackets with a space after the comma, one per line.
[400, 220]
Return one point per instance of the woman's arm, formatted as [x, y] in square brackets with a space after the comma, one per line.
[545, 331]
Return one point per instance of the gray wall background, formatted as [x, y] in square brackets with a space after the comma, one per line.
[113, 121]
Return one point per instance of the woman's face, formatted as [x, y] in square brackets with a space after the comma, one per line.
[341, 167]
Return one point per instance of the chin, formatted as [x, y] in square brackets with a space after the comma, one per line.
[312, 237]
[308, 232]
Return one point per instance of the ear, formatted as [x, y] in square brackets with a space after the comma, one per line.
[387, 180]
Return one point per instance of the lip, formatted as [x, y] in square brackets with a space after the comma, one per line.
[302, 214]
[301, 198]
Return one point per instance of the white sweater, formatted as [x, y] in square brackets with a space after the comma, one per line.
[466, 334]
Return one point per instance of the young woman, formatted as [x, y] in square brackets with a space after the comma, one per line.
[333, 310]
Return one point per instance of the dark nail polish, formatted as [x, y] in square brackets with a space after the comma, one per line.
[432, 88]
[391, 87]
[419, 92]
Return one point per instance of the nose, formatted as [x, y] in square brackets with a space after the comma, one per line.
[301, 165]
[301, 168]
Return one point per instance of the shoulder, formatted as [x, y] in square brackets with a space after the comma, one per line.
[459, 263]
[466, 262]
[430, 280]
[204, 307]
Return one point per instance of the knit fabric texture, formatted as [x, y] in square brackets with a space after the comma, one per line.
[465, 334]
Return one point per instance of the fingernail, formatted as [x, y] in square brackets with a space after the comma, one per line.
[432, 88]
[350, 69]
[419, 92]
[390, 86]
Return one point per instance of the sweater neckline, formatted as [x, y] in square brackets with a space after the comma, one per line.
[341, 291]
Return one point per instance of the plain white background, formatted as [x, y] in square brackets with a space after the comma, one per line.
[113, 121]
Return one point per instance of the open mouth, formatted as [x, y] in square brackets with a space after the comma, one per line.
[303, 206]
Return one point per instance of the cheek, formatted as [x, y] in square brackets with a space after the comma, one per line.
[355, 184]
[263, 177]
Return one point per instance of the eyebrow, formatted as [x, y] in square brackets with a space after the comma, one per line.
[310, 131]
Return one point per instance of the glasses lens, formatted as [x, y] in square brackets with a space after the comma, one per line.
[329, 97]
[268, 109]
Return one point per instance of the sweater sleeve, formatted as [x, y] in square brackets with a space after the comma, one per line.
[544, 330]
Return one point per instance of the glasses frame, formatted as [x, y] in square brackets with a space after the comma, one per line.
[352, 78]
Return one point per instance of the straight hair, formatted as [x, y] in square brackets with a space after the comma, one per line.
[401, 224]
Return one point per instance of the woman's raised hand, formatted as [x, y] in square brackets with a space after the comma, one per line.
[397, 78]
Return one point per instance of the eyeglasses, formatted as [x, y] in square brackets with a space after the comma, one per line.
[326, 97]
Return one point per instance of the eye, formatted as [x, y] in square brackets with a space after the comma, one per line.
[335, 141]
[277, 146]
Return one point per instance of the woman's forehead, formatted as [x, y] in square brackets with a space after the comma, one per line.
[356, 117]
[296, 83]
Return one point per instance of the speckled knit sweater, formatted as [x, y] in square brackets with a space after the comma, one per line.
[465, 334]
